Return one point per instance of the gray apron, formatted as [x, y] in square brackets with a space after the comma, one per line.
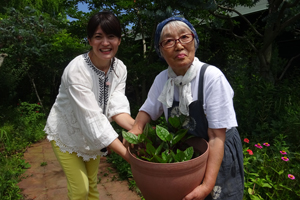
[230, 181]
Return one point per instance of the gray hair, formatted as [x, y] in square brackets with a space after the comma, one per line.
[174, 24]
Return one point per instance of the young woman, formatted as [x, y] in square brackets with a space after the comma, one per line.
[91, 95]
[175, 91]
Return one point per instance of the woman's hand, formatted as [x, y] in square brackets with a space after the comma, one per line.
[118, 147]
[141, 120]
[216, 151]
[199, 193]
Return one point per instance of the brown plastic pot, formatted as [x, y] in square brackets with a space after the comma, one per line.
[165, 181]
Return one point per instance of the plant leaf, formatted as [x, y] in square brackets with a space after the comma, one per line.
[159, 148]
[179, 157]
[173, 155]
[160, 160]
[174, 121]
[142, 138]
[179, 135]
[286, 187]
[130, 137]
[150, 149]
[164, 156]
[163, 134]
[149, 132]
[145, 158]
[188, 153]
[254, 197]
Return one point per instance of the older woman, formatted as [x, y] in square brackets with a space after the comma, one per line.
[175, 91]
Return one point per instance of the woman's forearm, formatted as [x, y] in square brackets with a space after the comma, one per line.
[141, 120]
[120, 149]
[215, 158]
[124, 120]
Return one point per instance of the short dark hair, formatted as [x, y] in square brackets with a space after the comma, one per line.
[107, 21]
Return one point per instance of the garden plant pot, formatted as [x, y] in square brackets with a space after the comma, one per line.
[170, 181]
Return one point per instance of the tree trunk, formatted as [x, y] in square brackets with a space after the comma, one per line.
[265, 54]
[36, 92]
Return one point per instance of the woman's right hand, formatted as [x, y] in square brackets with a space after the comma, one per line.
[141, 120]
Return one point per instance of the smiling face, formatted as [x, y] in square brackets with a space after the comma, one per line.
[104, 48]
[180, 56]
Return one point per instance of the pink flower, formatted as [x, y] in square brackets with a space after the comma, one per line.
[258, 146]
[285, 158]
[250, 152]
[291, 176]
[266, 144]
[246, 140]
[283, 152]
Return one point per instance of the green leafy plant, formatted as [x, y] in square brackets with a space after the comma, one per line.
[271, 170]
[161, 146]
[18, 130]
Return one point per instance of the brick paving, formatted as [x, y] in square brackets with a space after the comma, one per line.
[49, 182]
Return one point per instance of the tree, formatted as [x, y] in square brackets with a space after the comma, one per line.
[30, 39]
[52, 7]
[262, 32]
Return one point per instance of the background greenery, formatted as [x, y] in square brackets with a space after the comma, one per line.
[258, 53]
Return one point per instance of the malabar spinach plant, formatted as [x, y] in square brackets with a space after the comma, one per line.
[157, 144]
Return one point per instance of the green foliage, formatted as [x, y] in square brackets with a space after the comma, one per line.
[54, 7]
[161, 146]
[270, 169]
[23, 127]
[265, 110]
[122, 167]
[10, 172]
[30, 38]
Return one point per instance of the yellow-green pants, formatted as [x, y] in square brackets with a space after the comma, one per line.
[81, 175]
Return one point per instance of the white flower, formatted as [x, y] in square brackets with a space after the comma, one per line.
[216, 192]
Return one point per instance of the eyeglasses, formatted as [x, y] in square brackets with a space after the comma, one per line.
[184, 39]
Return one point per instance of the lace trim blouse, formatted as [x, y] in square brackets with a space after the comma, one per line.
[79, 120]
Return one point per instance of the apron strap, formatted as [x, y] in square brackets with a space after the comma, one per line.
[200, 88]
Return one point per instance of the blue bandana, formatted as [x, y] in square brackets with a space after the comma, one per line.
[163, 23]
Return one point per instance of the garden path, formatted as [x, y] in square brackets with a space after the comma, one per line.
[48, 182]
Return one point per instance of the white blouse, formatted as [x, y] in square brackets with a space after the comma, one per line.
[79, 120]
[217, 95]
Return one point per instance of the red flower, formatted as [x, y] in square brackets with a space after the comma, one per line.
[250, 152]
[246, 140]
[37, 111]
[38, 103]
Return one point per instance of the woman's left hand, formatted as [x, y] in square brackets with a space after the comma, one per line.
[199, 193]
